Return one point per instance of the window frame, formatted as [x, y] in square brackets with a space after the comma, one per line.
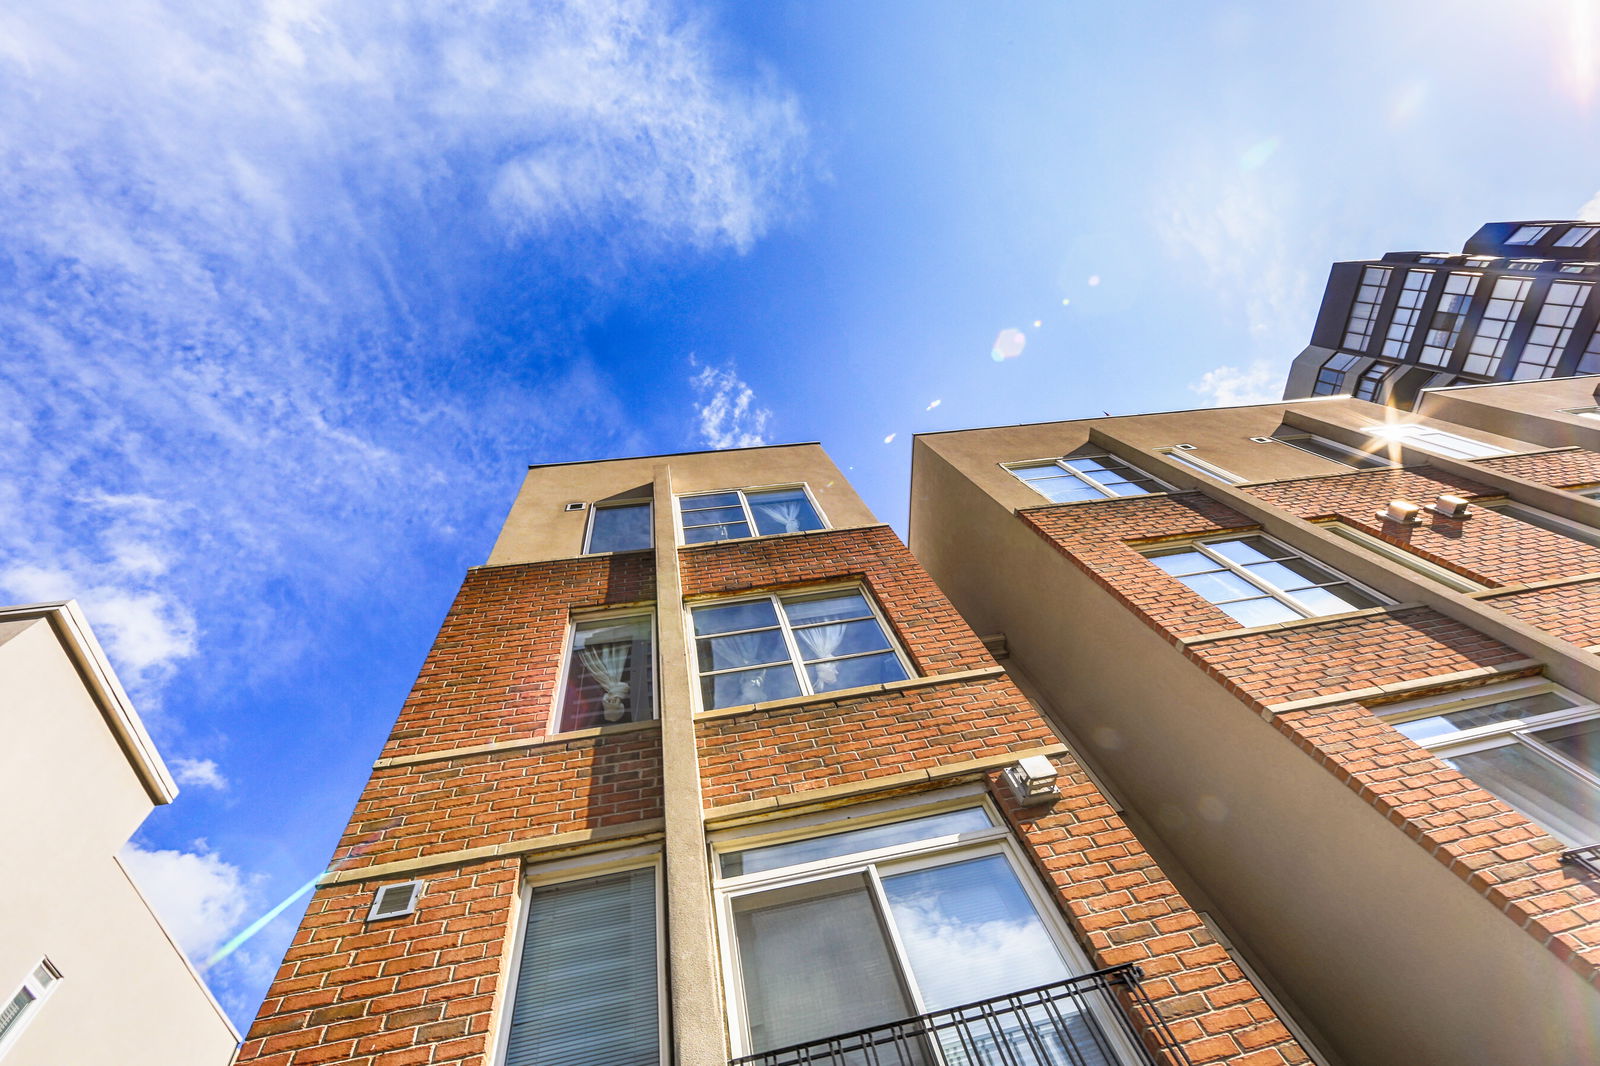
[1061, 462]
[1184, 457]
[795, 662]
[749, 515]
[583, 868]
[1539, 232]
[1577, 236]
[574, 620]
[1362, 460]
[596, 508]
[39, 992]
[1389, 433]
[1399, 556]
[1500, 734]
[1545, 520]
[1271, 591]
[922, 854]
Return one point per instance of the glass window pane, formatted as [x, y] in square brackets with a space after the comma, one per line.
[783, 511]
[729, 618]
[853, 841]
[851, 673]
[1290, 573]
[1184, 562]
[1068, 490]
[814, 962]
[625, 527]
[840, 638]
[586, 989]
[1249, 549]
[1335, 599]
[1265, 611]
[1568, 807]
[713, 516]
[609, 674]
[709, 499]
[1136, 487]
[827, 608]
[970, 932]
[749, 686]
[742, 649]
[1578, 741]
[1033, 471]
[1503, 711]
[701, 534]
[1221, 586]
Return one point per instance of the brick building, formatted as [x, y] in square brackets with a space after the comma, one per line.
[1518, 302]
[1336, 668]
[702, 766]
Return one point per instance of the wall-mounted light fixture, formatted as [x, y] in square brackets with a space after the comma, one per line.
[1033, 780]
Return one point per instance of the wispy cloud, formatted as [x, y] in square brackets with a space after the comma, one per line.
[201, 773]
[726, 410]
[201, 899]
[1228, 386]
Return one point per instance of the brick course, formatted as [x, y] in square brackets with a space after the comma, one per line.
[1571, 612]
[1563, 469]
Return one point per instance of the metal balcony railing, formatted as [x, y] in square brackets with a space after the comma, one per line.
[1586, 858]
[1100, 1019]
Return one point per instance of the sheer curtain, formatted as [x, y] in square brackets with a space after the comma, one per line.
[822, 642]
[786, 514]
[605, 663]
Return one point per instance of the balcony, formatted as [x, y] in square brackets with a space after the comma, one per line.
[1100, 1019]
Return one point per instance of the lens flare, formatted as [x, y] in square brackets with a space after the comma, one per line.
[932, 405]
[1008, 344]
[1258, 153]
[889, 439]
[1038, 323]
[1094, 279]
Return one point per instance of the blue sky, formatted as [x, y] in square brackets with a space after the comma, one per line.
[293, 290]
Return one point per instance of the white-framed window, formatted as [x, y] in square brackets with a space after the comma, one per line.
[18, 1011]
[586, 981]
[1533, 516]
[1395, 553]
[1364, 309]
[1528, 235]
[842, 928]
[1256, 581]
[1532, 744]
[618, 527]
[1084, 477]
[609, 672]
[1434, 440]
[1444, 327]
[776, 646]
[1552, 329]
[735, 513]
[1332, 449]
[1186, 457]
[1494, 328]
[1577, 235]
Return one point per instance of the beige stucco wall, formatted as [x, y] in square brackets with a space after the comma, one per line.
[1392, 959]
[540, 528]
[71, 798]
[1539, 411]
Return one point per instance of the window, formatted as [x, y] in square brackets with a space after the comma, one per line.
[1577, 268]
[1589, 362]
[1186, 457]
[1525, 264]
[618, 527]
[778, 646]
[1528, 235]
[1364, 310]
[1370, 383]
[725, 515]
[1330, 378]
[1407, 309]
[836, 933]
[1551, 330]
[1256, 581]
[1444, 328]
[1435, 257]
[1434, 440]
[1328, 449]
[587, 989]
[1565, 527]
[609, 673]
[1494, 330]
[1085, 477]
[1395, 553]
[1577, 235]
[1537, 747]
[20, 1009]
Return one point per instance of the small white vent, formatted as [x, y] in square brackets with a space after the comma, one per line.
[1184, 447]
[394, 901]
[1261, 440]
[576, 506]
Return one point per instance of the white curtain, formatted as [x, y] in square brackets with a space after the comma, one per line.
[785, 514]
[605, 663]
[822, 642]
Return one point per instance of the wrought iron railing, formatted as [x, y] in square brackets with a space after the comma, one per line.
[1586, 858]
[1100, 1019]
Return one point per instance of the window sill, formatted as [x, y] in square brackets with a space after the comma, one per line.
[767, 536]
[840, 695]
[440, 754]
[1295, 623]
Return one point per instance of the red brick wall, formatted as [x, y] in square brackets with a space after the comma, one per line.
[925, 623]
[407, 812]
[492, 672]
[401, 992]
[1571, 612]
[1346, 654]
[1563, 469]
[1511, 862]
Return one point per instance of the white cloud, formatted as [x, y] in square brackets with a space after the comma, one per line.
[726, 408]
[201, 899]
[1590, 211]
[1228, 386]
[202, 773]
